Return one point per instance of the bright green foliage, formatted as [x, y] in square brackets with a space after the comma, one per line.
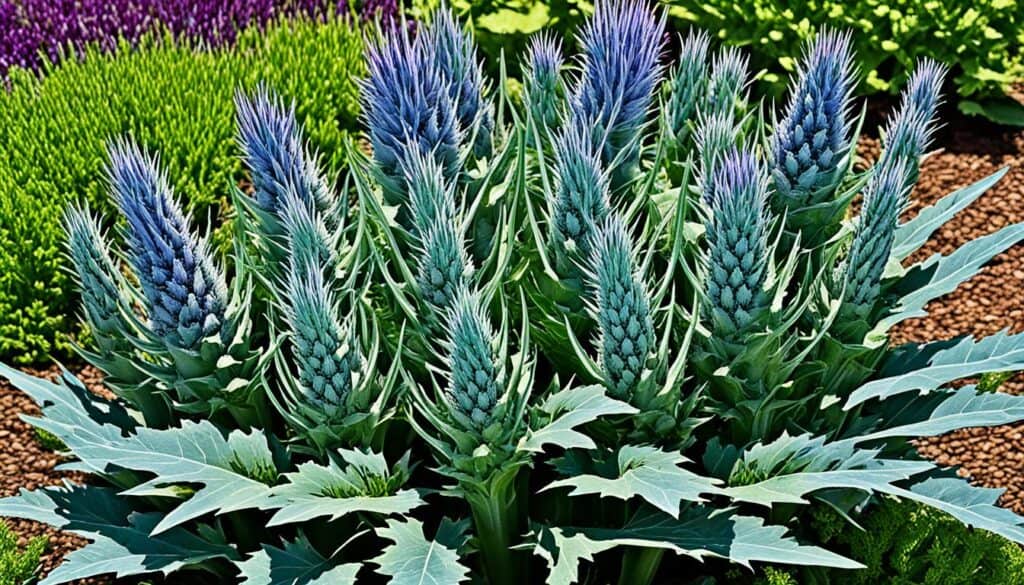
[983, 39]
[680, 400]
[174, 100]
[18, 566]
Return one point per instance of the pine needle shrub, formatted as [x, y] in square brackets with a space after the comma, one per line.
[509, 349]
[169, 97]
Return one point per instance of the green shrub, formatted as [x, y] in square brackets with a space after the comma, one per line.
[18, 567]
[906, 543]
[171, 98]
[982, 39]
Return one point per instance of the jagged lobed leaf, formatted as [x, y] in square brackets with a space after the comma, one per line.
[331, 490]
[569, 409]
[648, 473]
[997, 353]
[412, 559]
[297, 563]
[122, 540]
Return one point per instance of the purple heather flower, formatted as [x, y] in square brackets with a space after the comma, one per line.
[185, 292]
[737, 233]
[407, 106]
[909, 132]
[276, 153]
[813, 138]
[622, 44]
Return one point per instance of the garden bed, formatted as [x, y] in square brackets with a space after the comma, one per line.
[992, 301]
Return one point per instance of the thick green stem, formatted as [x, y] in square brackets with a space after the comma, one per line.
[640, 565]
[496, 519]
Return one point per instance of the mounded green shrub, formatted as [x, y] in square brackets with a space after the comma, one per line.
[174, 99]
[18, 565]
[982, 39]
[905, 543]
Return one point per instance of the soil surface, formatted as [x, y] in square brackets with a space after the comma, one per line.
[969, 150]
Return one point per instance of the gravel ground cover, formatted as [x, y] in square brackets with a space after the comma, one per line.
[994, 300]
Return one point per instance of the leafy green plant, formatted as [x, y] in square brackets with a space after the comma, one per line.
[906, 543]
[18, 567]
[619, 343]
[983, 39]
[172, 98]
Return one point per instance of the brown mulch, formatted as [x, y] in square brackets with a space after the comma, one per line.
[991, 301]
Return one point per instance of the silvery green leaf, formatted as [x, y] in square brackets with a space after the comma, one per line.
[414, 560]
[649, 473]
[569, 409]
[792, 467]
[939, 274]
[298, 563]
[997, 353]
[121, 539]
[913, 234]
[331, 490]
[701, 533]
[963, 408]
[233, 472]
[974, 506]
[563, 553]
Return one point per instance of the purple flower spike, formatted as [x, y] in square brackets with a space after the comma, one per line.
[622, 45]
[185, 292]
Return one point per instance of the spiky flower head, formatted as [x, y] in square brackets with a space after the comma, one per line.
[580, 203]
[473, 372]
[688, 84]
[813, 138]
[276, 153]
[408, 107]
[622, 43]
[94, 270]
[622, 307]
[717, 134]
[325, 351]
[443, 265]
[185, 292]
[727, 83]
[542, 74]
[737, 236]
[452, 52]
[910, 130]
[309, 242]
[860, 275]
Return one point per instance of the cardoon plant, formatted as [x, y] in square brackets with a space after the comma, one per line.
[910, 130]
[686, 88]
[542, 78]
[622, 47]
[726, 85]
[678, 406]
[811, 144]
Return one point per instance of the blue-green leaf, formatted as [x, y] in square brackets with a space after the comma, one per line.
[563, 553]
[913, 234]
[414, 560]
[793, 467]
[331, 490]
[233, 472]
[648, 473]
[939, 275]
[963, 408]
[974, 506]
[997, 353]
[298, 563]
[567, 409]
[122, 540]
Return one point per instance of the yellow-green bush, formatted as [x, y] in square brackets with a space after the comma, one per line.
[982, 40]
[174, 99]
